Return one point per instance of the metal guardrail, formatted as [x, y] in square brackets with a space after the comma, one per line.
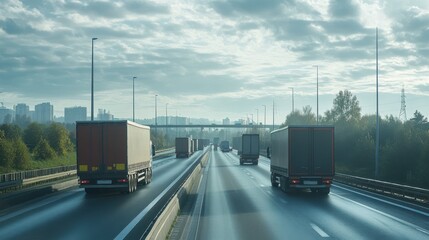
[17, 179]
[415, 194]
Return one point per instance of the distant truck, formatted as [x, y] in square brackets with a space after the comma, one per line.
[195, 145]
[302, 157]
[236, 144]
[201, 144]
[249, 149]
[113, 154]
[215, 143]
[183, 147]
[224, 146]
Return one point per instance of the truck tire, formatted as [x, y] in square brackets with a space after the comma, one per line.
[241, 162]
[274, 182]
[284, 185]
[148, 176]
[90, 190]
[136, 181]
[255, 162]
[130, 184]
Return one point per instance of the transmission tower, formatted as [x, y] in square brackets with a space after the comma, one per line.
[403, 112]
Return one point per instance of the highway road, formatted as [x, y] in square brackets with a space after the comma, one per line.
[74, 215]
[238, 202]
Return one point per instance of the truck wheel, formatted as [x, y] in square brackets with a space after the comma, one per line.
[90, 190]
[135, 182]
[325, 191]
[255, 162]
[274, 182]
[241, 162]
[130, 184]
[148, 176]
[284, 185]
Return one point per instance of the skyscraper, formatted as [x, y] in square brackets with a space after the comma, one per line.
[44, 113]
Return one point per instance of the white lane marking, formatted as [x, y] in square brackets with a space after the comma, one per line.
[422, 230]
[262, 185]
[319, 230]
[384, 214]
[391, 203]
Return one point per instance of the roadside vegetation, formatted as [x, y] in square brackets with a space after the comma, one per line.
[35, 146]
[404, 146]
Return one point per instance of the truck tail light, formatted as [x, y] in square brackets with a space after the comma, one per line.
[84, 181]
[122, 180]
[327, 181]
[294, 181]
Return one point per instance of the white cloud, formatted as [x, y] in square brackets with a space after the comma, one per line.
[211, 53]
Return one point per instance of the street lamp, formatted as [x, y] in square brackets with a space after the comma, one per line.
[166, 121]
[265, 115]
[134, 102]
[156, 121]
[92, 78]
[317, 87]
[293, 103]
[377, 136]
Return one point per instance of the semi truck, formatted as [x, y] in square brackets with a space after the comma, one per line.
[113, 154]
[195, 145]
[201, 144]
[236, 144]
[183, 147]
[249, 149]
[302, 157]
[224, 146]
[215, 143]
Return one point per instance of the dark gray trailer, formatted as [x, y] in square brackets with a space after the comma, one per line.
[302, 157]
[183, 147]
[249, 149]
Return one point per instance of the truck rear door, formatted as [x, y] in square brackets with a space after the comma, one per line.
[300, 153]
[89, 147]
[323, 151]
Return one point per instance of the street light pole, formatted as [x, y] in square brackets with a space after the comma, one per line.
[166, 121]
[317, 89]
[156, 117]
[273, 114]
[92, 78]
[134, 102]
[293, 103]
[377, 137]
[265, 115]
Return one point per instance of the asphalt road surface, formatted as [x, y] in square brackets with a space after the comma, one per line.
[239, 203]
[75, 215]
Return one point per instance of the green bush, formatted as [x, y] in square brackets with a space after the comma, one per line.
[43, 150]
[7, 154]
[22, 155]
[59, 139]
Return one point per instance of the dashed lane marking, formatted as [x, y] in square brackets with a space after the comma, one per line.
[319, 230]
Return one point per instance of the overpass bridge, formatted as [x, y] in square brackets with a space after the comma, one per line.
[215, 126]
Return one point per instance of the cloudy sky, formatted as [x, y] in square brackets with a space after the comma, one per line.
[214, 58]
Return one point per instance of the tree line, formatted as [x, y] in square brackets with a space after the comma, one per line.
[36, 142]
[404, 146]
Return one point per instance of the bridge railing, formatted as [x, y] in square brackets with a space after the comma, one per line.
[410, 193]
